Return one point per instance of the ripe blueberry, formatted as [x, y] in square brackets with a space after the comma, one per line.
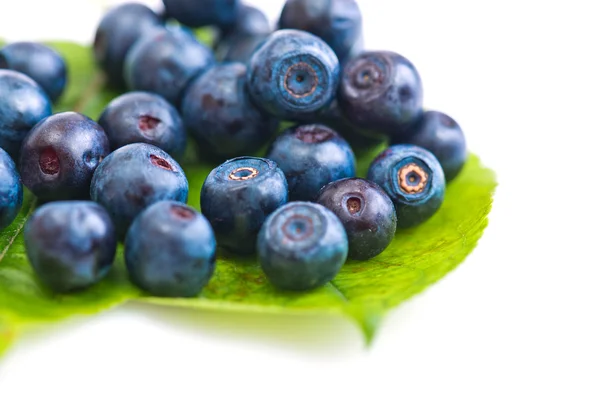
[11, 190]
[60, 155]
[238, 196]
[311, 156]
[71, 244]
[302, 246]
[132, 178]
[170, 250]
[414, 180]
[197, 13]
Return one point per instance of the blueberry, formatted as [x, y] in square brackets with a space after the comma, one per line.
[249, 21]
[337, 22]
[237, 197]
[414, 180]
[217, 111]
[60, 155]
[70, 244]
[11, 190]
[238, 48]
[23, 103]
[380, 91]
[119, 29]
[311, 156]
[40, 62]
[170, 250]
[293, 75]
[441, 135]
[141, 117]
[134, 177]
[197, 13]
[302, 246]
[367, 213]
[165, 62]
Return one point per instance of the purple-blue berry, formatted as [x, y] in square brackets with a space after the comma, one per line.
[302, 246]
[197, 13]
[413, 178]
[11, 190]
[170, 250]
[60, 155]
[70, 244]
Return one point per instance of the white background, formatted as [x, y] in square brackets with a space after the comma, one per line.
[518, 320]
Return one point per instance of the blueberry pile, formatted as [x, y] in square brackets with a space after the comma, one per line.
[290, 198]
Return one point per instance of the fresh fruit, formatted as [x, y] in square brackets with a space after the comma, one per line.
[132, 178]
[142, 117]
[302, 246]
[367, 213]
[337, 22]
[237, 197]
[164, 63]
[11, 190]
[249, 21]
[170, 250]
[23, 103]
[293, 75]
[119, 29]
[441, 135]
[60, 155]
[197, 13]
[380, 91]
[71, 244]
[311, 156]
[414, 180]
[220, 116]
[40, 62]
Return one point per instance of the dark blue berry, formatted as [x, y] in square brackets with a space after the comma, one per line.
[337, 22]
[165, 62]
[40, 62]
[414, 180]
[141, 117]
[367, 213]
[441, 135]
[23, 103]
[238, 48]
[249, 21]
[119, 29]
[170, 250]
[237, 197]
[311, 156]
[132, 178]
[11, 190]
[217, 111]
[302, 246]
[70, 244]
[293, 75]
[60, 155]
[380, 91]
[197, 13]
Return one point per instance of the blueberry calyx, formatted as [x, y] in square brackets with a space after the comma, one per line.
[354, 203]
[298, 227]
[49, 161]
[243, 174]
[148, 124]
[368, 77]
[301, 80]
[412, 179]
[161, 163]
[313, 133]
[182, 212]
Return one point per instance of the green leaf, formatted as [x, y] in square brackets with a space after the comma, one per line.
[363, 291]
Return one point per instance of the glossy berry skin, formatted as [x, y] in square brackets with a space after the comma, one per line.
[238, 48]
[71, 245]
[119, 29]
[197, 13]
[337, 22]
[367, 213]
[135, 177]
[293, 75]
[11, 190]
[249, 21]
[170, 250]
[142, 117]
[311, 156]
[302, 246]
[237, 197]
[165, 62]
[60, 155]
[413, 178]
[40, 62]
[23, 103]
[218, 113]
[380, 91]
[442, 136]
